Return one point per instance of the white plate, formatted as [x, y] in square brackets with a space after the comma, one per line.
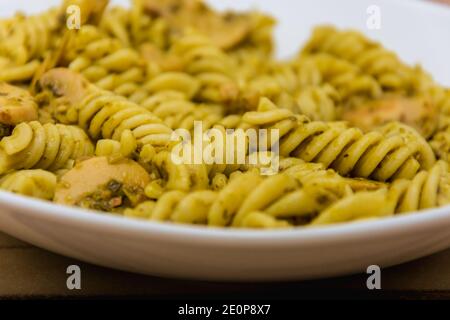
[421, 33]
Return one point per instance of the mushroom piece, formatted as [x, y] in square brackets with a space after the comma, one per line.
[416, 112]
[16, 105]
[102, 184]
[225, 30]
[64, 82]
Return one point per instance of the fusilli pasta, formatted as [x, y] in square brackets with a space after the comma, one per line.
[93, 118]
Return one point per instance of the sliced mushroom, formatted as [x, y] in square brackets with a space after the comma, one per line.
[101, 184]
[418, 113]
[64, 82]
[16, 105]
[225, 30]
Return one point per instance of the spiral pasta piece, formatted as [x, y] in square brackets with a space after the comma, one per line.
[295, 196]
[319, 103]
[317, 175]
[180, 176]
[271, 80]
[106, 115]
[348, 80]
[125, 147]
[440, 141]
[203, 206]
[184, 208]
[347, 150]
[279, 197]
[103, 114]
[34, 34]
[173, 83]
[169, 94]
[36, 183]
[105, 62]
[33, 145]
[209, 64]
[135, 27]
[368, 56]
[24, 41]
[177, 112]
[427, 189]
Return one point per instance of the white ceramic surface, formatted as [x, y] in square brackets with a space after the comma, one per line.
[418, 31]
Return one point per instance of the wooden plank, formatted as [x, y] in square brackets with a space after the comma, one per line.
[7, 242]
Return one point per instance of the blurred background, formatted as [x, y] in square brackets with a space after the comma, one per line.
[418, 32]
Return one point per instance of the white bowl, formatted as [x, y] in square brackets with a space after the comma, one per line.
[245, 255]
[196, 252]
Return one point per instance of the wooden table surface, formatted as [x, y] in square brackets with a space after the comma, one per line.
[27, 271]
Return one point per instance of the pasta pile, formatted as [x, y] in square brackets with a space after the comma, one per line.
[87, 118]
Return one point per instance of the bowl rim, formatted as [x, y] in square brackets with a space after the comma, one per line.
[90, 219]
